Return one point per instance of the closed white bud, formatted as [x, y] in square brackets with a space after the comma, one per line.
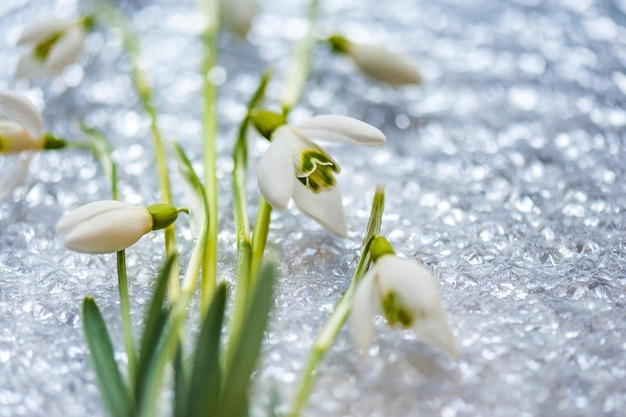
[111, 226]
[379, 62]
[238, 15]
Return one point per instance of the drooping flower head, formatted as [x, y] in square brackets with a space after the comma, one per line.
[21, 133]
[378, 62]
[55, 44]
[238, 15]
[408, 297]
[294, 166]
[109, 226]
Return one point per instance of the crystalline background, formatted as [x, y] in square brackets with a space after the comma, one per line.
[504, 174]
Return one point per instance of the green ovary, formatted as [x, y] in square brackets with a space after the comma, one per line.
[317, 171]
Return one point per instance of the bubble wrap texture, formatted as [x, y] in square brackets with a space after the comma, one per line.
[504, 174]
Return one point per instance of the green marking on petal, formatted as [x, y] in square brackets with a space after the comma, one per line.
[316, 170]
[396, 313]
[43, 48]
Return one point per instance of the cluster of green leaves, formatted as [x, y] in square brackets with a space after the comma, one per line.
[204, 384]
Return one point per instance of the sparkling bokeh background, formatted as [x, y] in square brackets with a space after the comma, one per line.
[503, 174]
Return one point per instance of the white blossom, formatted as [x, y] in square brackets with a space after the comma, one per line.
[408, 296]
[294, 166]
[111, 226]
[379, 62]
[238, 15]
[54, 44]
[21, 132]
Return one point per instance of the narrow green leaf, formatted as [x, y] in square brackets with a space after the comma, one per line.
[154, 325]
[204, 385]
[181, 383]
[101, 149]
[234, 396]
[115, 394]
[194, 191]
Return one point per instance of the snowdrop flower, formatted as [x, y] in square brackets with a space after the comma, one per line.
[239, 14]
[407, 295]
[379, 62]
[21, 133]
[54, 43]
[111, 226]
[296, 167]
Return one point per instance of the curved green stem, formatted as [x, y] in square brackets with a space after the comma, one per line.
[298, 70]
[338, 317]
[144, 91]
[209, 91]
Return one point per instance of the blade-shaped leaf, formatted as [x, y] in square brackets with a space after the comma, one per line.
[234, 397]
[181, 384]
[115, 394]
[204, 385]
[155, 321]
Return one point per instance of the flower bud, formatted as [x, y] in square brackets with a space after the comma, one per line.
[111, 226]
[378, 62]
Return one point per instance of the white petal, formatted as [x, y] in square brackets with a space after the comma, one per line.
[14, 139]
[19, 109]
[275, 174]
[29, 67]
[66, 50]
[13, 177]
[363, 309]
[88, 211]
[342, 129]
[417, 291]
[325, 207]
[109, 232]
[239, 14]
[385, 65]
[40, 31]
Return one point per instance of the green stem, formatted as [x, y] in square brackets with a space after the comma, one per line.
[209, 91]
[126, 322]
[338, 317]
[144, 91]
[259, 236]
[298, 70]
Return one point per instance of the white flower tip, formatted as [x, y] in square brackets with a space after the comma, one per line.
[343, 129]
[438, 335]
[21, 110]
[385, 65]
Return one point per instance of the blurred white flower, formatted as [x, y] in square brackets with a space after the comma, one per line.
[238, 15]
[111, 226]
[379, 62]
[55, 44]
[407, 295]
[22, 131]
[296, 167]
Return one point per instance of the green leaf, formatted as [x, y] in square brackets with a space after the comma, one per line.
[181, 383]
[115, 394]
[234, 398]
[155, 321]
[204, 385]
[101, 149]
[194, 191]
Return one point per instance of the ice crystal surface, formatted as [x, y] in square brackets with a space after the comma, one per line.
[504, 174]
